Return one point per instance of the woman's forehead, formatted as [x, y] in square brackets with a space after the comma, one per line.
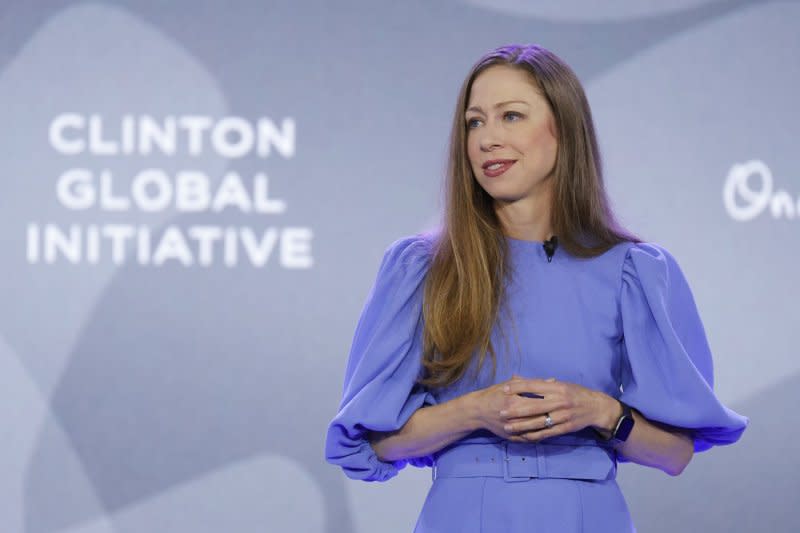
[501, 83]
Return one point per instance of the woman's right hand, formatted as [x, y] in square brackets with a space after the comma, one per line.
[488, 403]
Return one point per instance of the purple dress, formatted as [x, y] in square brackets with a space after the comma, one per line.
[624, 323]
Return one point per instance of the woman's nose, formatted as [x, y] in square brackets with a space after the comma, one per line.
[490, 140]
[489, 145]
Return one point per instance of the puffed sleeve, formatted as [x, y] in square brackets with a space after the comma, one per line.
[380, 390]
[667, 370]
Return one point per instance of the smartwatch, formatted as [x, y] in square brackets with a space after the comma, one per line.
[623, 427]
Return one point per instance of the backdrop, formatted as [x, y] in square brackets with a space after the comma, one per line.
[195, 197]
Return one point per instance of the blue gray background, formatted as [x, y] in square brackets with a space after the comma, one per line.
[196, 399]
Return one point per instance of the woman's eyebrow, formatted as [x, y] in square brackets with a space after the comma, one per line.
[478, 108]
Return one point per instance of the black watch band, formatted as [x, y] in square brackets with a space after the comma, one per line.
[623, 427]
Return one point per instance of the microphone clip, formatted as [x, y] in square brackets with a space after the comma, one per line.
[550, 246]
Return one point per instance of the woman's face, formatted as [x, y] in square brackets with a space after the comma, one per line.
[511, 141]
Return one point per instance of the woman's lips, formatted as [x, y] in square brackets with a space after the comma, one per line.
[492, 169]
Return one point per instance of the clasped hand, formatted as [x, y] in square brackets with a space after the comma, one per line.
[518, 409]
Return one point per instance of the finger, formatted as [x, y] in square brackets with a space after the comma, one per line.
[514, 378]
[556, 430]
[536, 436]
[537, 386]
[536, 423]
[526, 408]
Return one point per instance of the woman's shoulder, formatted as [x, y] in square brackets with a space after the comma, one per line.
[629, 254]
[649, 257]
[637, 261]
[412, 249]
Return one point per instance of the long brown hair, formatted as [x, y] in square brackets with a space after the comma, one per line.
[463, 289]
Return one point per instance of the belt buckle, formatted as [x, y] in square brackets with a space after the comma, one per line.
[507, 477]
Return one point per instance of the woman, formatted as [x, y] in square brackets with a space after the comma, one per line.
[532, 343]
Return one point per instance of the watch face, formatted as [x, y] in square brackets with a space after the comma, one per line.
[624, 428]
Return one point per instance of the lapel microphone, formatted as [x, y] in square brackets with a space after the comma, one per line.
[550, 246]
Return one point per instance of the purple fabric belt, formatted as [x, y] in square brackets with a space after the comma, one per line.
[524, 461]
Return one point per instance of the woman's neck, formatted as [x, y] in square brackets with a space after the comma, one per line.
[527, 218]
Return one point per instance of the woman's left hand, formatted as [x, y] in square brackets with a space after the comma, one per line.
[572, 407]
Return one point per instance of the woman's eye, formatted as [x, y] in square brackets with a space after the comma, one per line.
[512, 116]
[472, 123]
